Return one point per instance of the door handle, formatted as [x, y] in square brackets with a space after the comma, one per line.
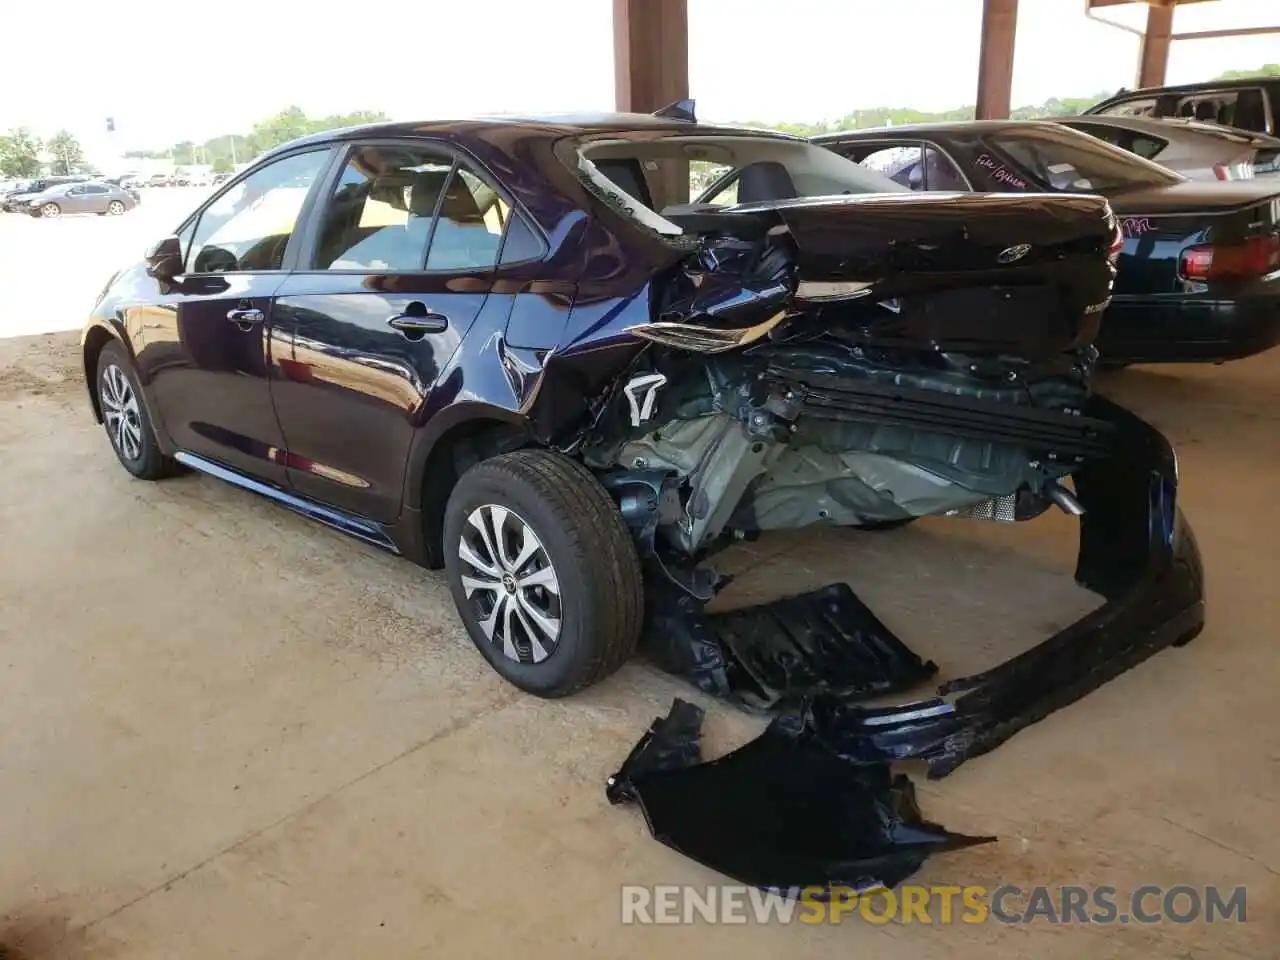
[417, 321]
[245, 317]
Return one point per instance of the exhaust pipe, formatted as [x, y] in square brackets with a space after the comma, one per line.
[1064, 498]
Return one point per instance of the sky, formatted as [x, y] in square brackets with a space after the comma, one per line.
[172, 72]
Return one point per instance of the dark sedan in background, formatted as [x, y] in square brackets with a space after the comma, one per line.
[89, 197]
[1199, 272]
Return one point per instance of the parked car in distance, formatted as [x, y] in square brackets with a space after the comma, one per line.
[1199, 272]
[89, 197]
[1250, 104]
[15, 201]
[1198, 150]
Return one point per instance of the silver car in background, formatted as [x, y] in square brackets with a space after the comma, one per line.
[92, 196]
[1193, 148]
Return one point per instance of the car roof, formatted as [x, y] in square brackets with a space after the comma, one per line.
[567, 125]
[945, 126]
[1197, 87]
[1169, 127]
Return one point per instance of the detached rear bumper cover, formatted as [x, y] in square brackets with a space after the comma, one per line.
[1136, 550]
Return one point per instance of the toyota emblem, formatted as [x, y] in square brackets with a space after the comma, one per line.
[1011, 254]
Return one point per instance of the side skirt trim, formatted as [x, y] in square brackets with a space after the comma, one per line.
[353, 526]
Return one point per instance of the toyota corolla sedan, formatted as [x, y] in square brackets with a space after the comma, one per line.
[515, 349]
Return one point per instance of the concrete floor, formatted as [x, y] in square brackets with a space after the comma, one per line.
[227, 731]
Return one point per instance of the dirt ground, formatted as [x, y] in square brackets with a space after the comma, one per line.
[228, 731]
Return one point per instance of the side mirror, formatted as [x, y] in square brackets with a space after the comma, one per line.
[164, 259]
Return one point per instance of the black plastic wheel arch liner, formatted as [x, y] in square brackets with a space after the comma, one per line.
[1136, 550]
[776, 654]
[781, 813]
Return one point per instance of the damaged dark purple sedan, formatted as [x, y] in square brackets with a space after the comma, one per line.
[516, 349]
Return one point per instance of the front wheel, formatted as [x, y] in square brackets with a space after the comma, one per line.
[115, 208]
[543, 570]
[51, 211]
[125, 417]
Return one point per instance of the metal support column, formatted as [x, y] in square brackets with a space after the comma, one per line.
[995, 58]
[650, 53]
[1153, 55]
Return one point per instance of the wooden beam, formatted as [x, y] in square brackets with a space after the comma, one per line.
[650, 53]
[995, 58]
[1153, 54]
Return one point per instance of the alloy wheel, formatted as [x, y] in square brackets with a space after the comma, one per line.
[120, 410]
[511, 584]
[51, 210]
[115, 208]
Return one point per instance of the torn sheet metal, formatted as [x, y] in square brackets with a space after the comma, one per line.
[776, 653]
[781, 812]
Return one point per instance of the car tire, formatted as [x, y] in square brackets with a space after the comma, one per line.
[125, 418]
[569, 613]
[50, 211]
[115, 208]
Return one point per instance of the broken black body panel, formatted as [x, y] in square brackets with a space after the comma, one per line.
[782, 813]
[1136, 550]
[770, 655]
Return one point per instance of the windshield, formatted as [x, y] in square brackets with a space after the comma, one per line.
[643, 174]
[1075, 162]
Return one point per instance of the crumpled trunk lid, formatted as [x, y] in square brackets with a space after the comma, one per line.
[1026, 275]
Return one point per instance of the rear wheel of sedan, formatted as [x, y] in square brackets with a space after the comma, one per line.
[115, 208]
[125, 417]
[51, 210]
[544, 571]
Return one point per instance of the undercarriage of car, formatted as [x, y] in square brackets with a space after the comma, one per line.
[756, 409]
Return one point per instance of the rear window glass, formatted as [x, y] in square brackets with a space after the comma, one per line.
[1075, 162]
[1146, 107]
[641, 174]
[1143, 144]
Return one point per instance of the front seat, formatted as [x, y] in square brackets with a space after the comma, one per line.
[1206, 111]
[765, 180]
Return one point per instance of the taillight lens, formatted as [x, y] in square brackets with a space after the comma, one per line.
[1256, 257]
[1233, 171]
[1117, 242]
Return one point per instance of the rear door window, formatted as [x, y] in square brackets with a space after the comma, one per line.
[469, 225]
[1142, 144]
[916, 166]
[380, 214]
[409, 208]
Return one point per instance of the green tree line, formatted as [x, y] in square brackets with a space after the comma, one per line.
[20, 153]
[20, 150]
[225, 151]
